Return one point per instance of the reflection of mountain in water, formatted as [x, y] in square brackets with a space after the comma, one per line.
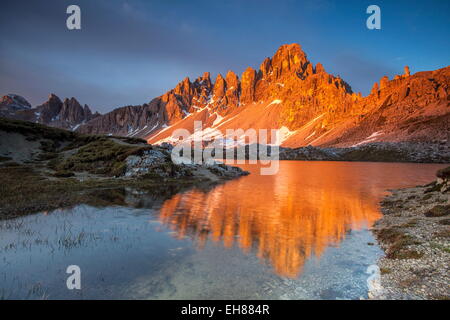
[284, 218]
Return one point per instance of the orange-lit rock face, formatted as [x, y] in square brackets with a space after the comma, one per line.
[232, 92]
[248, 86]
[321, 109]
[288, 76]
[287, 60]
[219, 87]
[407, 108]
[284, 219]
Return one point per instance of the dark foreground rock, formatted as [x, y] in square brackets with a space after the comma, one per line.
[157, 162]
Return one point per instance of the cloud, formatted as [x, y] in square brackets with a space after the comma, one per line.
[107, 26]
[124, 53]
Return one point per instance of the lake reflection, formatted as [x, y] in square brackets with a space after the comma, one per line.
[301, 234]
[290, 216]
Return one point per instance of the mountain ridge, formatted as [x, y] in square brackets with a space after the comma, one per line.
[222, 97]
[308, 105]
[67, 114]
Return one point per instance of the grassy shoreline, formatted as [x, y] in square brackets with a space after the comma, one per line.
[44, 168]
[25, 191]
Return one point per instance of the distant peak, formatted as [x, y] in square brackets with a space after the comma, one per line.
[319, 68]
[406, 73]
[219, 77]
[231, 76]
[16, 100]
[206, 76]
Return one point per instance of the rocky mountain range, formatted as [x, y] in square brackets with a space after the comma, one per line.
[308, 105]
[67, 114]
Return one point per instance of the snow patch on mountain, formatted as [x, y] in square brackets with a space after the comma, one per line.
[373, 137]
[276, 101]
[284, 133]
[218, 119]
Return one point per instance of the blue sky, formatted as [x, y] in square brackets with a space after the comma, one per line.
[130, 51]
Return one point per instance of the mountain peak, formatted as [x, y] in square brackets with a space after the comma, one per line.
[53, 112]
[290, 47]
[232, 80]
[319, 68]
[14, 101]
[206, 76]
[292, 53]
[406, 71]
[289, 59]
[53, 96]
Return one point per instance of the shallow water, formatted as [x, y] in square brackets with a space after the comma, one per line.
[300, 234]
